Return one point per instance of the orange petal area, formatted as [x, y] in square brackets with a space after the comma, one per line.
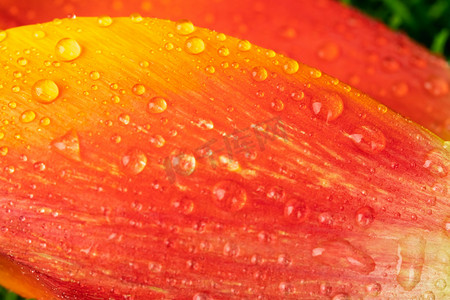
[160, 167]
[322, 33]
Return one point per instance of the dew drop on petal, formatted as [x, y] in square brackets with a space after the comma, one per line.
[183, 205]
[104, 21]
[45, 91]
[435, 163]
[328, 107]
[229, 195]
[368, 139]
[138, 89]
[39, 34]
[342, 254]
[400, 89]
[136, 18]
[259, 73]
[244, 45]
[296, 211]
[134, 162]
[184, 27]
[67, 145]
[223, 51]
[67, 49]
[195, 45]
[411, 253]
[27, 116]
[365, 216]
[157, 105]
[231, 249]
[183, 162]
[3, 35]
[291, 67]
[94, 75]
[437, 86]
[373, 289]
[277, 104]
[329, 51]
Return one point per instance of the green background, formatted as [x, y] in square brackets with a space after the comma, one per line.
[426, 21]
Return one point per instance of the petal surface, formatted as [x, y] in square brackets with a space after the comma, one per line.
[141, 162]
[324, 34]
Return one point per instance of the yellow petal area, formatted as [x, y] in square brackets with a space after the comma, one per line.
[109, 188]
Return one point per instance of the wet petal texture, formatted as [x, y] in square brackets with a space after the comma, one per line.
[150, 159]
[324, 34]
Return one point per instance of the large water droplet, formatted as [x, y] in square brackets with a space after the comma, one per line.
[342, 254]
[411, 253]
[27, 116]
[183, 162]
[369, 139]
[244, 45]
[229, 195]
[68, 145]
[134, 161]
[67, 49]
[157, 105]
[184, 27]
[195, 45]
[328, 107]
[45, 91]
[291, 67]
[138, 89]
[259, 73]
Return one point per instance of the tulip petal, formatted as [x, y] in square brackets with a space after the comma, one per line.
[324, 34]
[140, 162]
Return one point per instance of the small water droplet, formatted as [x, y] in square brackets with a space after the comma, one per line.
[68, 145]
[411, 253]
[259, 73]
[138, 89]
[296, 211]
[3, 35]
[39, 166]
[45, 91]
[67, 49]
[223, 51]
[39, 34]
[340, 253]
[440, 284]
[134, 162]
[277, 104]
[382, 108]
[390, 65]
[400, 89]
[365, 216]
[195, 45]
[3, 150]
[184, 27]
[435, 163]
[183, 205]
[136, 18]
[297, 96]
[183, 162]
[328, 107]
[229, 195]
[315, 73]
[329, 51]
[369, 139]
[341, 297]
[231, 249]
[157, 105]
[291, 67]
[276, 194]
[201, 296]
[27, 116]
[429, 295]
[244, 45]
[437, 86]
[22, 61]
[104, 21]
[373, 289]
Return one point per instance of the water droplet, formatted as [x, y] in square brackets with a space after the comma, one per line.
[296, 211]
[437, 86]
[22, 61]
[201, 296]
[157, 105]
[3, 150]
[183, 205]
[435, 162]
[45, 91]
[94, 75]
[328, 107]
[390, 65]
[341, 297]
[183, 162]
[382, 108]
[291, 67]
[365, 216]
[373, 289]
[68, 145]
[27, 116]
[229, 195]
[39, 34]
[39, 166]
[286, 288]
[205, 124]
[136, 18]
[277, 105]
[67, 49]
[315, 73]
[104, 21]
[429, 295]
[134, 161]
[244, 45]
[440, 284]
[369, 139]
[184, 27]
[138, 89]
[297, 96]
[340, 253]
[3, 35]
[45, 121]
[223, 51]
[276, 194]
[329, 51]
[400, 89]
[411, 253]
[195, 45]
[259, 73]
[231, 249]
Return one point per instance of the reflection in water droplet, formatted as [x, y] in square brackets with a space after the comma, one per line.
[157, 105]
[134, 161]
[328, 107]
[195, 45]
[45, 91]
[184, 27]
[369, 139]
[67, 49]
[411, 253]
[342, 254]
[229, 195]
[68, 145]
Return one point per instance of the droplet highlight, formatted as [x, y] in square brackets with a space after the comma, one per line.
[67, 49]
